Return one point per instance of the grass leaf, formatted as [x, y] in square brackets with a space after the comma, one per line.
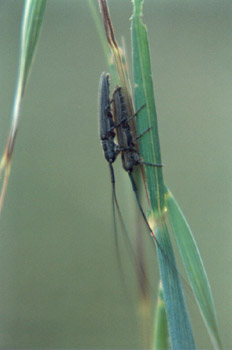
[31, 23]
[194, 267]
[178, 320]
[161, 336]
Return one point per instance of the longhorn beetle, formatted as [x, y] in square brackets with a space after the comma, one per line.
[106, 124]
[126, 144]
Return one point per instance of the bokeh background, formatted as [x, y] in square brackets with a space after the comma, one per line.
[59, 281]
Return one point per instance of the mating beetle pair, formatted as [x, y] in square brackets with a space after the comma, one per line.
[116, 120]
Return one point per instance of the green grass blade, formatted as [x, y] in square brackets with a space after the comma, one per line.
[149, 144]
[32, 20]
[31, 23]
[178, 320]
[180, 331]
[194, 268]
[161, 336]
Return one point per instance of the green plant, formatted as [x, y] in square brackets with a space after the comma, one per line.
[30, 29]
[164, 210]
[163, 207]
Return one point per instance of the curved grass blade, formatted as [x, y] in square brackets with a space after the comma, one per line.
[178, 320]
[194, 268]
[31, 24]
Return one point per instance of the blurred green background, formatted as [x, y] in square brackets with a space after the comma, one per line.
[59, 280]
